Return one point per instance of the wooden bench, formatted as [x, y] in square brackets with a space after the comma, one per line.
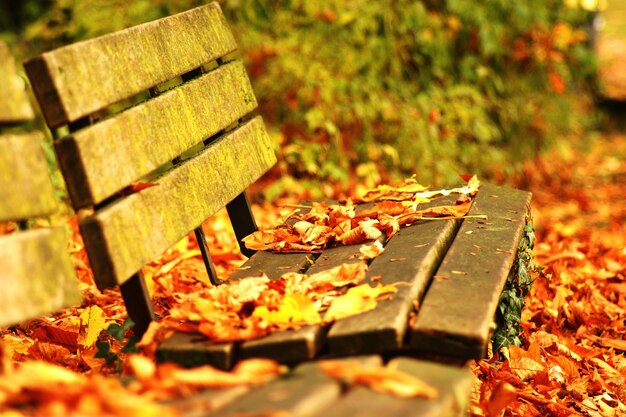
[36, 273]
[166, 102]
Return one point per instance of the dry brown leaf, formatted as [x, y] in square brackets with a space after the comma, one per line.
[372, 250]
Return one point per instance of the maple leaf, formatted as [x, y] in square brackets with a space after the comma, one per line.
[379, 378]
[356, 300]
[94, 322]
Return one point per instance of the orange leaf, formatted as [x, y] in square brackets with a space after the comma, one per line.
[366, 230]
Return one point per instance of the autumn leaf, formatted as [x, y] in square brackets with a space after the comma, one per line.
[356, 300]
[366, 230]
[371, 251]
[379, 378]
[293, 310]
[93, 321]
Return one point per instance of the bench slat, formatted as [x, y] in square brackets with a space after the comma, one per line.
[154, 52]
[299, 345]
[306, 392]
[36, 275]
[108, 156]
[26, 189]
[188, 349]
[453, 384]
[14, 104]
[456, 314]
[129, 233]
[410, 257]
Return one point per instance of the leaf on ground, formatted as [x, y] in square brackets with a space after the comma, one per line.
[379, 378]
[94, 322]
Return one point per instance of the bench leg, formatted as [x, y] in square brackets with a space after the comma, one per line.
[206, 256]
[242, 220]
[138, 303]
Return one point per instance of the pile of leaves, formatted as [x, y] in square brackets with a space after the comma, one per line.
[571, 360]
[255, 306]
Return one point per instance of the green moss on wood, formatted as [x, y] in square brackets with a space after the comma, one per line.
[25, 186]
[82, 78]
[123, 237]
[106, 157]
[14, 104]
[37, 275]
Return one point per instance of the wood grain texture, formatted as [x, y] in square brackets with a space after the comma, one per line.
[454, 385]
[77, 80]
[104, 158]
[37, 275]
[410, 258]
[129, 233]
[272, 264]
[25, 186]
[306, 392]
[191, 350]
[456, 314]
[14, 104]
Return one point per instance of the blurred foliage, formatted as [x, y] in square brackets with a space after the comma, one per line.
[360, 90]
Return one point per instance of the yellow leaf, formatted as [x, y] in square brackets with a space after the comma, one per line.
[13, 344]
[357, 300]
[93, 322]
[294, 309]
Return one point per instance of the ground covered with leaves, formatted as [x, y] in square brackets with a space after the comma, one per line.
[570, 362]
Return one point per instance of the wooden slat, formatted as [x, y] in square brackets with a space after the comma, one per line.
[272, 264]
[14, 104]
[194, 349]
[77, 80]
[37, 276]
[456, 314]
[108, 156]
[410, 257]
[199, 405]
[299, 345]
[305, 392]
[129, 233]
[25, 186]
[454, 385]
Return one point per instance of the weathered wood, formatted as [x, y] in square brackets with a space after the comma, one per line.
[80, 79]
[37, 276]
[454, 385]
[456, 314]
[273, 264]
[293, 346]
[129, 233]
[199, 405]
[14, 104]
[194, 349]
[25, 186]
[104, 158]
[410, 258]
[307, 391]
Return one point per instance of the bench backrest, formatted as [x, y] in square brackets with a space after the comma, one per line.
[36, 273]
[205, 110]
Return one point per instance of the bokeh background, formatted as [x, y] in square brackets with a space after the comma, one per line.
[360, 91]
